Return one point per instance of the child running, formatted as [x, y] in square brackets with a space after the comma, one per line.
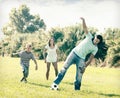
[25, 57]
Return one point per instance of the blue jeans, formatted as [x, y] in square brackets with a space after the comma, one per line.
[25, 70]
[80, 68]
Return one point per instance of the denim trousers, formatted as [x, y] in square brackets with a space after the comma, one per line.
[25, 70]
[80, 68]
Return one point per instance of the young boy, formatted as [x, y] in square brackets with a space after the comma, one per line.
[25, 57]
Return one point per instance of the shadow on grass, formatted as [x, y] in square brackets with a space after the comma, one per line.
[110, 95]
[103, 94]
[38, 84]
[70, 83]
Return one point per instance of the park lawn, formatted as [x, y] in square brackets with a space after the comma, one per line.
[96, 83]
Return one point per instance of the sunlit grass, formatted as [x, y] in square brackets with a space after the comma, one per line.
[96, 83]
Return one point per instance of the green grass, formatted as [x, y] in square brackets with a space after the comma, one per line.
[96, 83]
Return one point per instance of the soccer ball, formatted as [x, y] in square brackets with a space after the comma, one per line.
[54, 86]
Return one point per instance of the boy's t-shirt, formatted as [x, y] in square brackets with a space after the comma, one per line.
[85, 47]
[25, 57]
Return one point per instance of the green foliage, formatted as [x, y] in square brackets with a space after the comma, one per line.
[116, 60]
[39, 49]
[116, 49]
[8, 29]
[114, 57]
[112, 34]
[57, 34]
[22, 21]
[5, 44]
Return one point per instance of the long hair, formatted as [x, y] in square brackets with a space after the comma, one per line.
[102, 49]
[50, 40]
[100, 38]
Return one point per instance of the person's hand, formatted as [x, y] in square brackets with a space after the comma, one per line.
[45, 60]
[82, 18]
[36, 67]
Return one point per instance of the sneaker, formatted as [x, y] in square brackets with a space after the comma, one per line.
[22, 79]
[54, 86]
[77, 86]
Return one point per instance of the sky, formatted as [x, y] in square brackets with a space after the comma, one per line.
[98, 13]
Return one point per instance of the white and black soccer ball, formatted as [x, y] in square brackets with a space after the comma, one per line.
[54, 86]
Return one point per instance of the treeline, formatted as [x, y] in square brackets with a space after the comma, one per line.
[24, 27]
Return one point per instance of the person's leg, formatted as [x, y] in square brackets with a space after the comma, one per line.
[55, 68]
[48, 69]
[80, 68]
[25, 70]
[69, 61]
[22, 72]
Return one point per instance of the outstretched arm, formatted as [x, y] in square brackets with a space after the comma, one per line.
[15, 54]
[84, 25]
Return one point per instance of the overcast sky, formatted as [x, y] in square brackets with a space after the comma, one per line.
[98, 13]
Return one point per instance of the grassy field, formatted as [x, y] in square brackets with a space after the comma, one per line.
[96, 83]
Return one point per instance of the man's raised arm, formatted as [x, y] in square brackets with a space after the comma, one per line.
[84, 25]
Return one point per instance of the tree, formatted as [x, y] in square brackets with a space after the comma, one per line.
[57, 34]
[22, 21]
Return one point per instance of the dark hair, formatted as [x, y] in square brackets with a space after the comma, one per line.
[100, 38]
[101, 53]
[50, 40]
[102, 49]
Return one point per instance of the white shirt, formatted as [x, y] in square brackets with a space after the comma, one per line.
[85, 47]
[51, 54]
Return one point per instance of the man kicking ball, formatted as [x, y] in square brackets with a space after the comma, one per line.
[77, 56]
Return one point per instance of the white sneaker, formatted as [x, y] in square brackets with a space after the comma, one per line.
[54, 86]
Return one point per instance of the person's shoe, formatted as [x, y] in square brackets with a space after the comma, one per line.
[54, 87]
[22, 79]
[77, 86]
